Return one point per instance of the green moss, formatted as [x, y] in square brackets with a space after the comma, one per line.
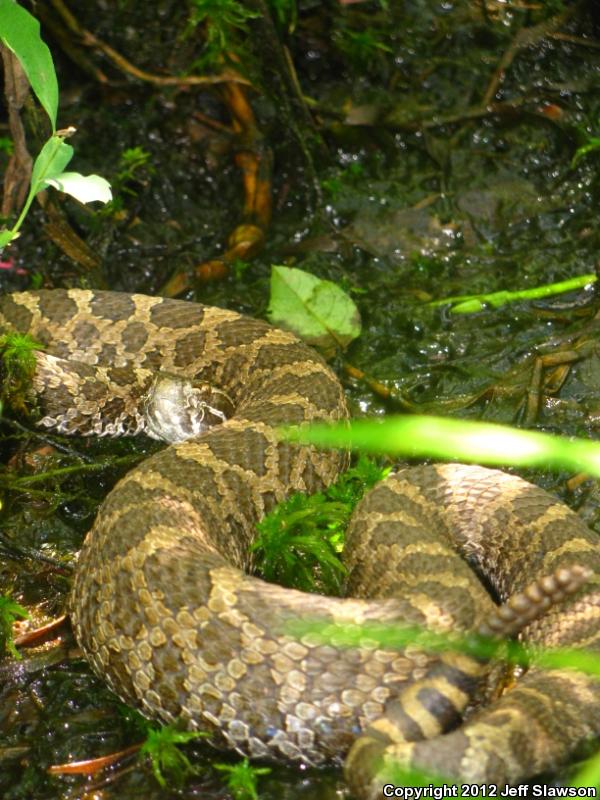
[299, 541]
[17, 362]
[242, 778]
[223, 21]
[162, 747]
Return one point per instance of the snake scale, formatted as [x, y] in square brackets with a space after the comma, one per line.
[166, 612]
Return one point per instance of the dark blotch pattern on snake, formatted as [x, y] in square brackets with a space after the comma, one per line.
[165, 612]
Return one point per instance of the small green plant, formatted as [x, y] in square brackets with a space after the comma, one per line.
[18, 353]
[20, 33]
[17, 366]
[134, 167]
[10, 611]
[242, 778]
[223, 21]
[299, 541]
[162, 747]
[131, 162]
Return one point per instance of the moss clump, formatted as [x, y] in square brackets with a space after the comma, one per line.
[299, 542]
[17, 367]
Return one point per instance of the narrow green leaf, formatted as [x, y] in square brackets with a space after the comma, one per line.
[317, 310]
[20, 32]
[451, 439]
[470, 303]
[85, 188]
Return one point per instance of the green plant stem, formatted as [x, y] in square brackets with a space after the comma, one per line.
[61, 472]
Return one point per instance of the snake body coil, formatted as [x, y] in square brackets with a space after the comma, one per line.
[165, 611]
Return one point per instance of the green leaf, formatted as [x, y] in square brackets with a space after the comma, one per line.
[85, 188]
[50, 162]
[20, 32]
[452, 439]
[317, 310]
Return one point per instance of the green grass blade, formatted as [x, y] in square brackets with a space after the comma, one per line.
[470, 303]
[451, 439]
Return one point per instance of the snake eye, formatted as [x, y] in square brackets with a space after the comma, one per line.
[176, 409]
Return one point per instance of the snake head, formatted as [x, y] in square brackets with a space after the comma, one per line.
[176, 408]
